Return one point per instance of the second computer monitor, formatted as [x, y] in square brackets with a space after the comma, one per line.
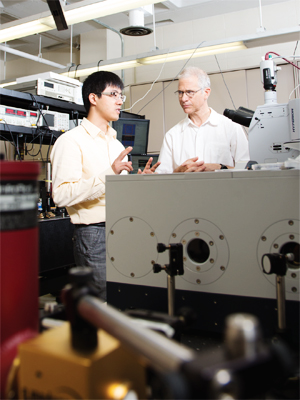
[133, 132]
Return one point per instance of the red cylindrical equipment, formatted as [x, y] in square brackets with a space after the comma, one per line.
[19, 259]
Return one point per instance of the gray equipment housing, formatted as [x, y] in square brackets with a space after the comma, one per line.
[225, 220]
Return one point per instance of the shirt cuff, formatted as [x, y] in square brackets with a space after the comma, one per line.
[108, 171]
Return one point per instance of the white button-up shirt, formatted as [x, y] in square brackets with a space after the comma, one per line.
[218, 140]
[81, 158]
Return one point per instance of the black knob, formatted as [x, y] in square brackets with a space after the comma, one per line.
[274, 263]
[156, 268]
[161, 247]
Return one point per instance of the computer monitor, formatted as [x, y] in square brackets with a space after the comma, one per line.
[133, 132]
[139, 161]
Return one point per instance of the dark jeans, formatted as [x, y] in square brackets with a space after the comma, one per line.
[90, 251]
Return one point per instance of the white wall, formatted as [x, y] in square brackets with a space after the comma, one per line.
[230, 90]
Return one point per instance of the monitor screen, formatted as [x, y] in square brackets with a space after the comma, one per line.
[140, 161]
[133, 132]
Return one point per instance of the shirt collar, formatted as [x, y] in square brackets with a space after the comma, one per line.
[212, 120]
[94, 131]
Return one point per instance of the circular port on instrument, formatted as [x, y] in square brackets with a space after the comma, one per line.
[198, 250]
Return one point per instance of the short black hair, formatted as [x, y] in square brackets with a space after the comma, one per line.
[97, 83]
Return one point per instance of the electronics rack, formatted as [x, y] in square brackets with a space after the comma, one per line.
[28, 101]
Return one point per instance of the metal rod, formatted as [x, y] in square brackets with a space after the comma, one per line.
[4, 70]
[154, 31]
[260, 14]
[171, 295]
[30, 56]
[280, 290]
[71, 46]
[162, 353]
[40, 46]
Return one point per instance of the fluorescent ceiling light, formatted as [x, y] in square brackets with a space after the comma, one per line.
[149, 58]
[8, 84]
[200, 52]
[78, 12]
[87, 70]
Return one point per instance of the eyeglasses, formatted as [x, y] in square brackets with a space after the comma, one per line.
[114, 95]
[189, 93]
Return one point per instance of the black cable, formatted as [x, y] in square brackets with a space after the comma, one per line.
[17, 148]
[25, 145]
[29, 152]
[296, 47]
[70, 68]
[47, 159]
[76, 70]
[225, 82]
[6, 140]
[99, 64]
[13, 140]
[40, 113]
[5, 149]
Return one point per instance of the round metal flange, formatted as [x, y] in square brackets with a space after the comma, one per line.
[282, 237]
[205, 250]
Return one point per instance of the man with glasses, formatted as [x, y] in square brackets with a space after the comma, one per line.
[204, 140]
[81, 158]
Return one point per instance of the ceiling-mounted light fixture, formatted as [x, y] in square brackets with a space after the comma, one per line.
[89, 69]
[200, 52]
[75, 13]
[136, 24]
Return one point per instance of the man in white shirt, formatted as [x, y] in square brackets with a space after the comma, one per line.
[204, 140]
[81, 158]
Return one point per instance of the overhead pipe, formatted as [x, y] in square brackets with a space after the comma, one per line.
[30, 57]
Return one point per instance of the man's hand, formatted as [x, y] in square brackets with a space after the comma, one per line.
[148, 169]
[214, 167]
[191, 165]
[118, 165]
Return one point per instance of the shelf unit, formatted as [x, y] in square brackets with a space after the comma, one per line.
[20, 134]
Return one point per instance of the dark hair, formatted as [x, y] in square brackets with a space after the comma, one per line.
[97, 83]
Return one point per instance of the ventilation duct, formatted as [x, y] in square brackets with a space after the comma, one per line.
[136, 22]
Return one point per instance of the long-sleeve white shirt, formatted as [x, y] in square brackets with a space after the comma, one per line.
[81, 158]
[217, 140]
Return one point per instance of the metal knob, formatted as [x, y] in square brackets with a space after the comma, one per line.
[161, 247]
[157, 268]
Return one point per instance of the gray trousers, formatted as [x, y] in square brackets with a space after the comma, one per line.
[90, 251]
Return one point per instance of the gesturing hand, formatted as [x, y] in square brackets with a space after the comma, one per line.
[148, 169]
[119, 165]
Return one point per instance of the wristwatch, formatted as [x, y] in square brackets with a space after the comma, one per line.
[223, 166]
